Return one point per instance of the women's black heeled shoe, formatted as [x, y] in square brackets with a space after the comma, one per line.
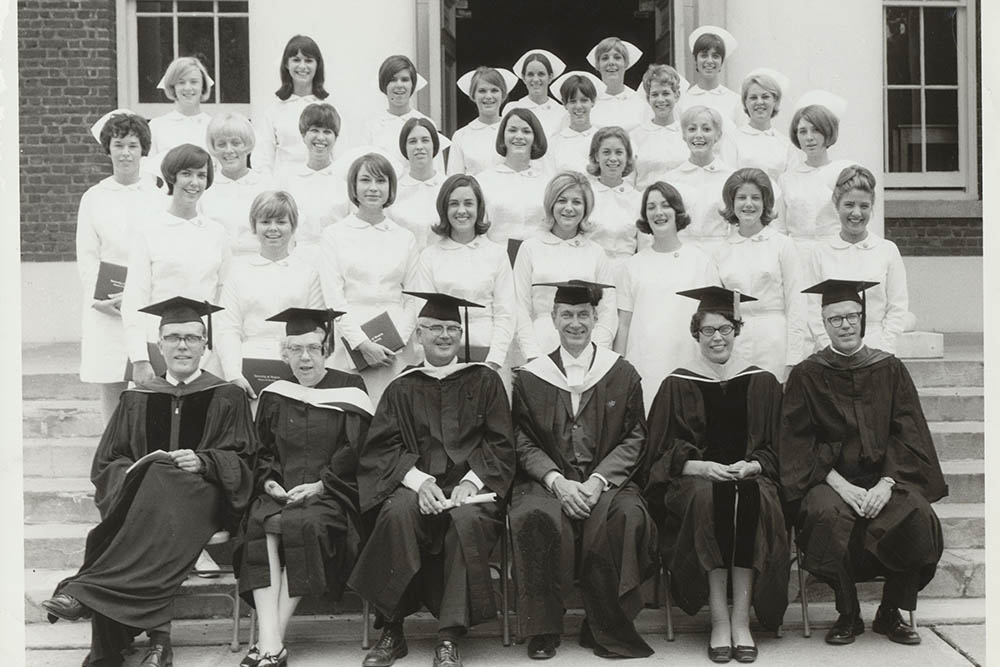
[720, 653]
[745, 653]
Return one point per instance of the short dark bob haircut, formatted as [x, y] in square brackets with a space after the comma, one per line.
[707, 42]
[674, 200]
[377, 165]
[577, 84]
[425, 123]
[185, 156]
[121, 125]
[699, 317]
[308, 48]
[539, 144]
[392, 66]
[824, 120]
[452, 183]
[747, 176]
[319, 114]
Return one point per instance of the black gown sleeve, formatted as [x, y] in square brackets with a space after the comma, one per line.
[764, 420]
[115, 453]
[493, 460]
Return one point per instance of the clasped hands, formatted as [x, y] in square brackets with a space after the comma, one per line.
[577, 498]
[865, 503]
[721, 472]
[187, 460]
[296, 494]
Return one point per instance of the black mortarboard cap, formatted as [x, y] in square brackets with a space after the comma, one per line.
[714, 298]
[575, 292]
[180, 309]
[835, 291]
[445, 307]
[300, 321]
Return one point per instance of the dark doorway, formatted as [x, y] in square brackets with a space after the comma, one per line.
[497, 32]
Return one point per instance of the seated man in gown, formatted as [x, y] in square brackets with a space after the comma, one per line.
[857, 457]
[576, 509]
[440, 437]
[172, 468]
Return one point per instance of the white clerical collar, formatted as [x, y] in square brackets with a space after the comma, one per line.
[191, 378]
[848, 354]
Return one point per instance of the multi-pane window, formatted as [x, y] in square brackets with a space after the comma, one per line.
[214, 31]
[928, 94]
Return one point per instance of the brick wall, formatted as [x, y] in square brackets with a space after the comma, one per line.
[68, 79]
[936, 237]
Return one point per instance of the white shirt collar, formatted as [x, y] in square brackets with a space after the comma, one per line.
[306, 170]
[762, 235]
[698, 90]
[434, 181]
[649, 126]
[626, 94]
[172, 219]
[583, 361]
[624, 186]
[753, 131]
[356, 222]
[174, 381]
[850, 354]
[531, 172]
[250, 178]
[448, 243]
[476, 124]
[869, 242]
[260, 260]
[552, 239]
[713, 166]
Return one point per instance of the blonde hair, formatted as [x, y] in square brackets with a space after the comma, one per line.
[559, 184]
[177, 69]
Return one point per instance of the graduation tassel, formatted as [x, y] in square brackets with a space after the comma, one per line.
[329, 340]
[736, 305]
[864, 314]
[208, 307]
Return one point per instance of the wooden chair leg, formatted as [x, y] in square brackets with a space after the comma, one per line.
[668, 604]
[504, 590]
[365, 622]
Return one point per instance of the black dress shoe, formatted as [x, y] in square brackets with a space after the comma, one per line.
[847, 627]
[720, 653]
[391, 647]
[446, 654]
[745, 653]
[543, 647]
[158, 655]
[65, 607]
[889, 622]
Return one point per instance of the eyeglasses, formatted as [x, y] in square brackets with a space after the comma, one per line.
[725, 330]
[837, 320]
[190, 339]
[438, 329]
[312, 349]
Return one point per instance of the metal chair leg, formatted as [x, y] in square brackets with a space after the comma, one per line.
[913, 620]
[504, 592]
[803, 601]
[253, 627]
[668, 604]
[365, 620]
[234, 644]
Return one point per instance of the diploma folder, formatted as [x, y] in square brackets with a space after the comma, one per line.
[110, 280]
[381, 330]
[262, 372]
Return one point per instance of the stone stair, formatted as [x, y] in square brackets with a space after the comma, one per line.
[62, 425]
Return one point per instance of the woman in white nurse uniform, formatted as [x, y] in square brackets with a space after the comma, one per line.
[616, 201]
[711, 46]
[473, 147]
[110, 212]
[279, 142]
[187, 84]
[758, 144]
[562, 253]
[570, 146]
[617, 104]
[415, 207]
[757, 259]
[858, 254]
[658, 141]
[538, 68]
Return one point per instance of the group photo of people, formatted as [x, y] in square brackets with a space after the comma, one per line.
[622, 335]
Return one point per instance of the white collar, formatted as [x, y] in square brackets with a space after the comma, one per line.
[354, 221]
[624, 186]
[552, 239]
[305, 170]
[476, 124]
[698, 90]
[733, 368]
[584, 361]
[175, 382]
[299, 98]
[569, 133]
[763, 235]
[753, 131]
[649, 126]
[531, 172]
[172, 219]
[869, 242]
[545, 369]
[448, 243]
[260, 260]
[626, 94]
[713, 166]
[850, 354]
[434, 181]
[176, 116]
[250, 178]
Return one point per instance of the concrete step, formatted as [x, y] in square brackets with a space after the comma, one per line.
[966, 481]
[59, 457]
[947, 372]
[958, 440]
[59, 500]
[62, 419]
[963, 524]
[952, 404]
[63, 386]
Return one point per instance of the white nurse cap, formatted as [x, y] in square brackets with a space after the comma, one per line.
[723, 34]
[634, 53]
[558, 66]
[464, 82]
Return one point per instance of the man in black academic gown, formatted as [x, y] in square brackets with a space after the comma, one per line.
[441, 434]
[158, 512]
[576, 509]
[857, 457]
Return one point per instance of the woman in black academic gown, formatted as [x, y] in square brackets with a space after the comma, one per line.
[713, 482]
[302, 532]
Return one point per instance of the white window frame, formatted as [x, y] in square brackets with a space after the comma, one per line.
[961, 184]
[128, 67]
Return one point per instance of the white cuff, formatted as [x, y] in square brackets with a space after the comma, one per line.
[414, 479]
[607, 484]
[471, 476]
[550, 477]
